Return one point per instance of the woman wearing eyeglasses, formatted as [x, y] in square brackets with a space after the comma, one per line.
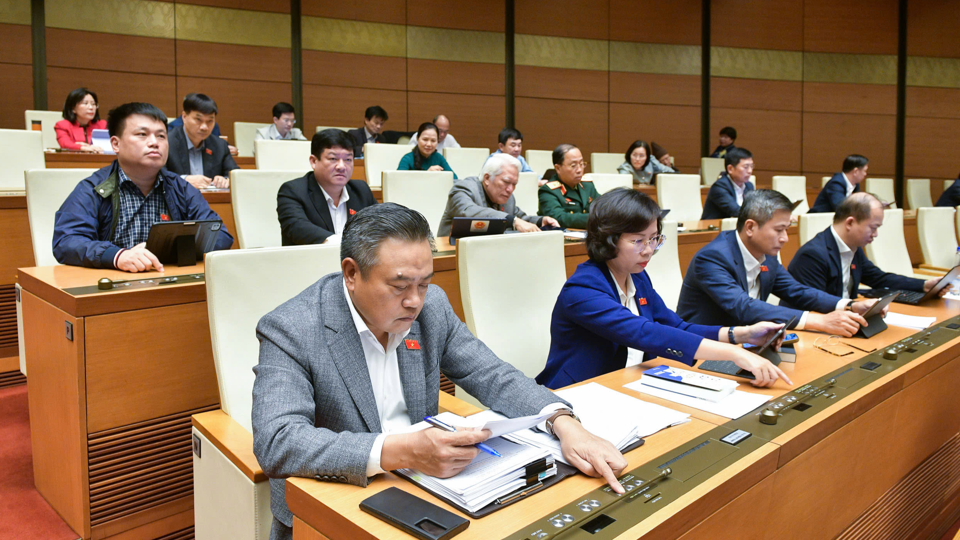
[608, 316]
[81, 115]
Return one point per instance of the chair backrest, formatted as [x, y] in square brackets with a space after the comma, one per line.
[539, 160]
[253, 195]
[321, 128]
[812, 224]
[938, 238]
[604, 163]
[282, 155]
[607, 182]
[46, 191]
[710, 169]
[525, 195]
[378, 158]
[889, 249]
[918, 193]
[236, 300]
[728, 224]
[20, 151]
[882, 188]
[681, 194]
[947, 184]
[795, 188]
[466, 161]
[47, 120]
[664, 267]
[243, 134]
[425, 192]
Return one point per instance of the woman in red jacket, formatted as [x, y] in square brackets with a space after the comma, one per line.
[81, 115]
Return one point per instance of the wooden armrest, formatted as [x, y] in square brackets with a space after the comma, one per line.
[232, 439]
[449, 403]
[933, 268]
[931, 271]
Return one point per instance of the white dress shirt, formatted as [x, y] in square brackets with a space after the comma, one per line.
[629, 301]
[850, 187]
[337, 213]
[369, 136]
[738, 190]
[846, 259]
[753, 278]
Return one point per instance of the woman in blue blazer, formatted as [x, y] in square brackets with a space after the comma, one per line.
[597, 328]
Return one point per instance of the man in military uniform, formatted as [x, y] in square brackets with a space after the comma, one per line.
[567, 198]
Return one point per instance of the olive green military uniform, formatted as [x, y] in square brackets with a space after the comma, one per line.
[569, 206]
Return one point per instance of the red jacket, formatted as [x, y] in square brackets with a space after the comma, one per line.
[70, 135]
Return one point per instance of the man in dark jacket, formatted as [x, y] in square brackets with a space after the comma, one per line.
[197, 155]
[951, 195]
[726, 194]
[371, 132]
[105, 222]
[842, 185]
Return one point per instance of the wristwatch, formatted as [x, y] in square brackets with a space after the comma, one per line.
[849, 306]
[730, 338]
[558, 414]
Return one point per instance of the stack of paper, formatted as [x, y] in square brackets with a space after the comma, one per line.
[688, 383]
[908, 321]
[734, 405]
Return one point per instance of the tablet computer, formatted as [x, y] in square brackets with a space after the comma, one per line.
[464, 226]
[766, 350]
[874, 317]
[183, 243]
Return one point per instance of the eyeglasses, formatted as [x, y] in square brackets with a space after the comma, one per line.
[655, 242]
[830, 341]
[89, 104]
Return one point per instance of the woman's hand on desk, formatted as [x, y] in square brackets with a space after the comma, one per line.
[592, 455]
[432, 451]
[764, 372]
[138, 259]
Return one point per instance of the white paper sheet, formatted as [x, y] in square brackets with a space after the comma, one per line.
[499, 424]
[908, 321]
[733, 406]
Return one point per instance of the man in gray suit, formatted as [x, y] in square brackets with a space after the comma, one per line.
[491, 196]
[355, 359]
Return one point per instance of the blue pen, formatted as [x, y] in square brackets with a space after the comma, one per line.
[446, 427]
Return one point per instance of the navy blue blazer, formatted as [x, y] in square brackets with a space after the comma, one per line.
[590, 328]
[715, 289]
[817, 264]
[722, 199]
[951, 196]
[832, 194]
[359, 137]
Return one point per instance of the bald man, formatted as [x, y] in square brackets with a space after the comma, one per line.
[444, 138]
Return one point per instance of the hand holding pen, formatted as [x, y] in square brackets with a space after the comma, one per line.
[433, 421]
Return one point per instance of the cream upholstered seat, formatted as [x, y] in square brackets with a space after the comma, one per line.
[47, 120]
[321, 128]
[824, 180]
[938, 237]
[423, 191]
[882, 188]
[20, 151]
[918, 193]
[795, 188]
[664, 267]
[607, 182]
[378, 158]
[889, 249]
[812, 224]
[947, 184]
[680, 193]
[253, 195]
[227, 502]
[605, 163]
[710, 169]
[525, 194]
[243, 134]
[466, 161]
[535, 273]
[728, 224]
[46, 191]
[282, 155]
[539, 160]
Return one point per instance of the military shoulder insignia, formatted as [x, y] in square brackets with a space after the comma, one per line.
[553, 185]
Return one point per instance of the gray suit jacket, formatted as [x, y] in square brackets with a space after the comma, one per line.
[467, 199]
[314, 411]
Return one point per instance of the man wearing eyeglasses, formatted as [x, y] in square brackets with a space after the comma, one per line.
[567, 199]
[284, 118]
[444, 138]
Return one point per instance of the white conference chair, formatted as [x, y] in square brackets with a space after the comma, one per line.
[664, 267]
[918, 193]
[20, 151]
[321, 128]
[889, 249]
[728, 224]
[253, 195]
[947, 184]
[46, 191]
[243, 135]
[608, 182]
[539, 160]
[681, 194]
[882, 188]
[282, 155]
[525, 195]
[824, 180]
[378, 158]
[813, 224]
[425, 192]
[938, 238]
[710, 169]
[466, 161]
[605, 163]
[227, 502]
[795, 188]
[520, 337]
[46, 119]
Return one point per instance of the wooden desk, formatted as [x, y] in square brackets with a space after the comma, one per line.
[114, 379]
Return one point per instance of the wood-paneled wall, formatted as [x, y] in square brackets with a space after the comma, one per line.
[16, 64]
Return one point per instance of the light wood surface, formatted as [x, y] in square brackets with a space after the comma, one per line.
[235, 442]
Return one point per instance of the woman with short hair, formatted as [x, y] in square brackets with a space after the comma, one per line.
[641, 164]
[81, 115]
[424, 156]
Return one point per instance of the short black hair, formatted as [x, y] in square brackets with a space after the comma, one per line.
[74, 97]
[617, 212]
[329, 138]
[508, 133]
[560, 152]
[117, 118]
[729, 131]
[366, 230]
[634, 146]
[376, 111]
[282, 108]
[734, 156]
[201, 103]
[859, 205]
[760, 205]
[854, 161]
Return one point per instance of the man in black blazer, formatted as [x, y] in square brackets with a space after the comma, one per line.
[833, 261]
[314, 209]
[196, 155]
[842, 184]
[371, 132]
[951, 195]
[726, 194]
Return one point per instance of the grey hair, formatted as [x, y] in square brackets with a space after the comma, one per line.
[366, 230]
[760, 205]
[495, 163]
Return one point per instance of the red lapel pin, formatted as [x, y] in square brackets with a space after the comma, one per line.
[352, 211]
[412, 344]
[853, 266]
[209, 152]
[164, 217]
[642, 301]
[763, 268]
